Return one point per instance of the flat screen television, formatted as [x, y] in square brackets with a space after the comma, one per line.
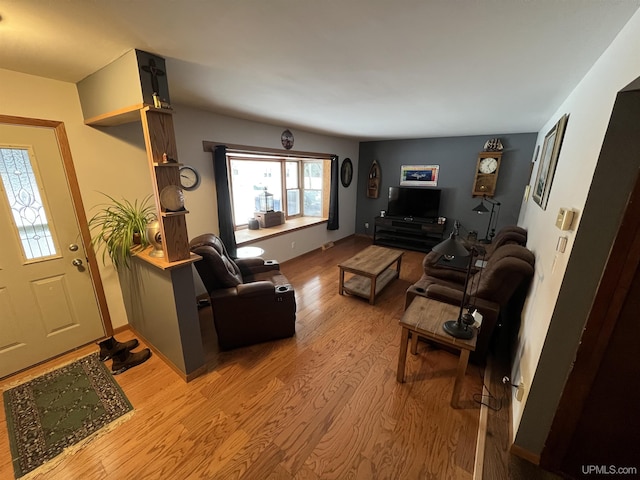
[417, 203]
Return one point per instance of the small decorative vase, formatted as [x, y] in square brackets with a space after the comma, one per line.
[154, 235]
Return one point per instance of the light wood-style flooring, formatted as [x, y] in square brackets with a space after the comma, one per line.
[324, 404]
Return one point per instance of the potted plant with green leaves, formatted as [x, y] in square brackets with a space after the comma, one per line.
[119, 228]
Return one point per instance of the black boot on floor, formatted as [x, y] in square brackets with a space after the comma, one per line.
[125, 360]
[110, 346]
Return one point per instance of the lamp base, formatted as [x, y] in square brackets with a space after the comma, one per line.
[458, 330]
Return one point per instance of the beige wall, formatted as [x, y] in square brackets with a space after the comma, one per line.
[589, 106]
[110, 161]
[113, 160]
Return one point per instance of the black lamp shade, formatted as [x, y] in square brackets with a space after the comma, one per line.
[451, 247]
[481, 208]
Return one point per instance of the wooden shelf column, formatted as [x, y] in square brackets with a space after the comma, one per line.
[157, 125]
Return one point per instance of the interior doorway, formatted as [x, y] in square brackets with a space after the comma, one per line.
[51, 296]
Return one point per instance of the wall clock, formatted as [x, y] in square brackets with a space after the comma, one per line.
[346, 172]
[486, 177]
[189, 178]
[287, 139]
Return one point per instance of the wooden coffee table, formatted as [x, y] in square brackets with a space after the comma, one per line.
[424, 317]
[372, 270]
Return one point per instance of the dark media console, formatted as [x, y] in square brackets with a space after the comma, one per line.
[408, 233]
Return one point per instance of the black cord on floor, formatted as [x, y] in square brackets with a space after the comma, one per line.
[485, 400]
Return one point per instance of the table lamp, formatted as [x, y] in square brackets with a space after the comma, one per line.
[453, 247]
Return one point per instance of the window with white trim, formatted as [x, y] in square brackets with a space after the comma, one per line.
[300, 186]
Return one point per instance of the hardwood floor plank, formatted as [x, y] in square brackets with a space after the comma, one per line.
[360, 420]
[324, 404]
[279, 473]
[222, 459]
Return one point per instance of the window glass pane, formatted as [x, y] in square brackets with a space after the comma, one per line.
[291, 175]
[312, 180]
[25, 202]
[249, 178]
[312, 175]
[313, 203]
[293, 202]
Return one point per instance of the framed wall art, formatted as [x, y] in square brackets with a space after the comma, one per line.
[419, 175]
[548, 161]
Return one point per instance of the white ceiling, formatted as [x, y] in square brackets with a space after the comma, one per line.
[367, 69]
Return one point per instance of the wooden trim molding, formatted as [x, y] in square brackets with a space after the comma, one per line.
[83, 223]
[209, 146]
[525, 454]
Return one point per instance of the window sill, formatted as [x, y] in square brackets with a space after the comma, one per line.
[247, 237]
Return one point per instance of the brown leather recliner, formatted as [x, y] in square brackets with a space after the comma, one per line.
[251, 300]
[509, 268]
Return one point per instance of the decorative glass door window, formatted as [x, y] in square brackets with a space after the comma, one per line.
[25, 199]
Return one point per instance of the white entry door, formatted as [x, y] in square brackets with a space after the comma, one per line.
[48, 305]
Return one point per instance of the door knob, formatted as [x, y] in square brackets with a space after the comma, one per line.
[76, 262]
[73, 247]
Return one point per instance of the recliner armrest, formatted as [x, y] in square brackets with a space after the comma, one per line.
[254, 289]
[244, 290]
[253, 265]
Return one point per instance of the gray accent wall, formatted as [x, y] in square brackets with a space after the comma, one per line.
[457, 158]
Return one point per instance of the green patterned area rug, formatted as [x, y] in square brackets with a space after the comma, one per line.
[60, 410]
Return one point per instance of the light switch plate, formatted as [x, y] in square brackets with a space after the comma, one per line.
[562, 244]
[564, 219]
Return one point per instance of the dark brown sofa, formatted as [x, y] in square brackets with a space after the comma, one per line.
[436, 266]
[508, 269]
[251, 300]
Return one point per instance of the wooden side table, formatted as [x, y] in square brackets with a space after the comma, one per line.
[424, 317]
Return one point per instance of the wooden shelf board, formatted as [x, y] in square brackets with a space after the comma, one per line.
[174, 214]
[149, 108]
[168, 164]
[117, 117]
[161, 263]
[123, 115]
[361, 286]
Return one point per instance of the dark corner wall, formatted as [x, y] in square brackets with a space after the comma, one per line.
[457, 158]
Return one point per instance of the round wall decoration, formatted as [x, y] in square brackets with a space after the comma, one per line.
[287, 139]
[189, 178]
[346, 172]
